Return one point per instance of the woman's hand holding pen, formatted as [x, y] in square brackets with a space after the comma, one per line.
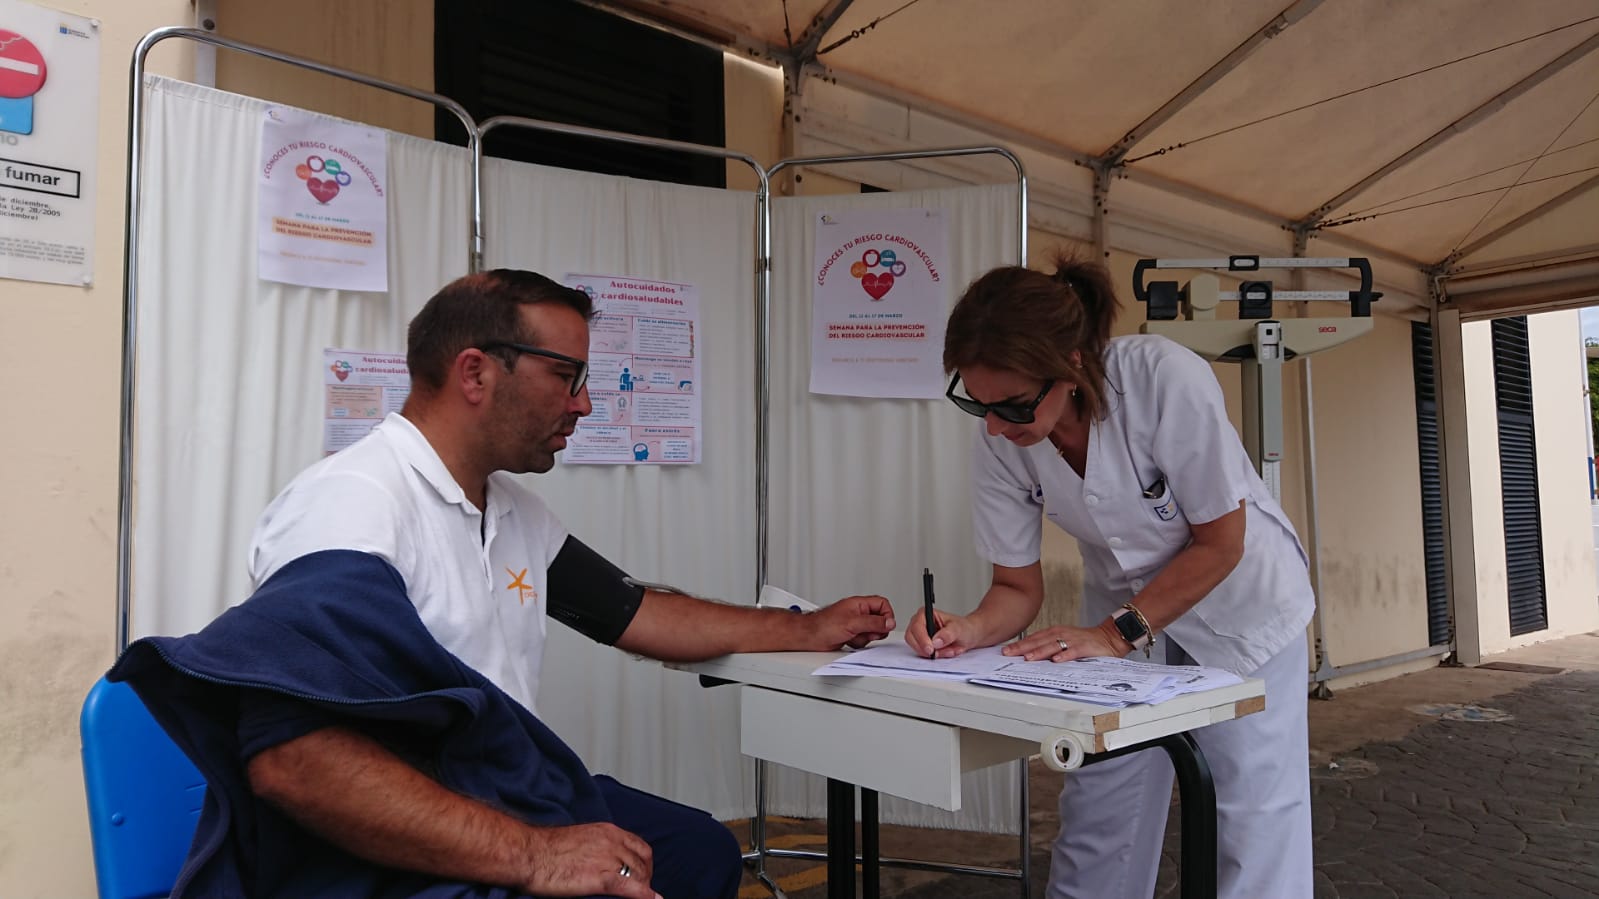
[956, 634]
[1063, 644]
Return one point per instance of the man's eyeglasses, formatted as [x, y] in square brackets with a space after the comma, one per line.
[579, 376]
[1015, 413]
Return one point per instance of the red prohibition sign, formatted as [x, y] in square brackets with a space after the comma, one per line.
[22, 69]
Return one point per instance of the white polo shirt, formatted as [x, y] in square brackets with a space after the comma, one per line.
[477, 579]
[1166, 426]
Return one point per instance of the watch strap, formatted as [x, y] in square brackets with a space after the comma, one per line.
[1134, 627]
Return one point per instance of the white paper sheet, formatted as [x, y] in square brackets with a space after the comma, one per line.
[777, 598]
[1110, 682]
[893, 658]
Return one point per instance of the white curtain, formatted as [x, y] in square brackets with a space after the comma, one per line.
[229, 387]
[864, 493]
[691, 526]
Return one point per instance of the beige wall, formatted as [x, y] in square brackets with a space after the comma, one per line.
[753, 107]
[1562, 419]
[1560, 416]
[60, 357]
[388, 39]
[1374, 586]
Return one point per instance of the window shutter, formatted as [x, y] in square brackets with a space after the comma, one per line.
[1439, 627]
[1518, 473]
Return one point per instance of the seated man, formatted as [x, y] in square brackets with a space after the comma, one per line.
[365, 721]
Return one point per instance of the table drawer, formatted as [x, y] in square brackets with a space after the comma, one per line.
[914, 758]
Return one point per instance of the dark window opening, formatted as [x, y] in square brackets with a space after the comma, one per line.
[565, 62]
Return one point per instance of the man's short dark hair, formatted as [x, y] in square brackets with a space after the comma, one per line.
[475, 310]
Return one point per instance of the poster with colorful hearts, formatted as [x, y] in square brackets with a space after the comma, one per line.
[324, 213]
[879, 297]
[359, 388]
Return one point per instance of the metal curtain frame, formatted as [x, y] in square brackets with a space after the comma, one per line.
[130, 285]
[758, 849]
[763, 270]
[763, 342]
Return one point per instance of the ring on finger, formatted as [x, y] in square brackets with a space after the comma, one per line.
[1061, 644]
[626, 871]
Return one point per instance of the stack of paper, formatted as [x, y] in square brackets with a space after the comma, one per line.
[1105, 681]
[1108, 682]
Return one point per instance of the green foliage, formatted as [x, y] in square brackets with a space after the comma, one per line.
[1593, 396]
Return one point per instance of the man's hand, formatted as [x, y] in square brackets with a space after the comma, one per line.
[956, 634]
[852, 621]
[1063, 644]
[588, 860]
[347, 788]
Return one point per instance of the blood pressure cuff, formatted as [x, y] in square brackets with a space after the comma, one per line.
[590, 595]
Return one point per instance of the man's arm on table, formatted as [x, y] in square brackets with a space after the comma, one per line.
[673, 627]
[591, 595]
[351, 791]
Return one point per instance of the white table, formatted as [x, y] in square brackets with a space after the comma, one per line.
[914, 738]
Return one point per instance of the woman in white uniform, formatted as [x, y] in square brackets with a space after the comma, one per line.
[1125, 444]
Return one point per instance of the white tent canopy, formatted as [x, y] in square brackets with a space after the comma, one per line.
[1457, 138]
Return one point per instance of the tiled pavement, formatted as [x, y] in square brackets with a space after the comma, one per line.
[1493, 806]
[1496, 808]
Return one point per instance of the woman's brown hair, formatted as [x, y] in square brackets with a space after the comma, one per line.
[1017, 319]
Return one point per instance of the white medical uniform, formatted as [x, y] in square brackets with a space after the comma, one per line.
[477, 579]
[1166, 432]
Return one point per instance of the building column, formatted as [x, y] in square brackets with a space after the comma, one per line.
[1455, 449]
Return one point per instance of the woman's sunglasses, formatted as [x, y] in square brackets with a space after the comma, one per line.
[1015, 413]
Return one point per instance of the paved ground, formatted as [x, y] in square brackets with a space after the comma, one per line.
[1449, 783]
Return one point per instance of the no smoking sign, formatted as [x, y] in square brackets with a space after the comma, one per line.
[22, 74]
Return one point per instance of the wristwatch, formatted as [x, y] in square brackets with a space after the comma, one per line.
[1133, 627]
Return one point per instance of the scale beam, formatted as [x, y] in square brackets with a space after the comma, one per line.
[1256, 340]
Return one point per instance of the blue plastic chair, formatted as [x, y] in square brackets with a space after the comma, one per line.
[144, 795]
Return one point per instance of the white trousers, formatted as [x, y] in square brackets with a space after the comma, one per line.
[1113, 814]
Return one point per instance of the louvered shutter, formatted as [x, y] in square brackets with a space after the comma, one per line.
[1518, 473]
[1439, 630]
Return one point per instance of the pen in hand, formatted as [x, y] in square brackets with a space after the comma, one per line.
[930, 621]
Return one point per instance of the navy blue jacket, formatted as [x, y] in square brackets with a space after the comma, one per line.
[333, 639]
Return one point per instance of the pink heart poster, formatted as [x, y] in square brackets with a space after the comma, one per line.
[323, 206]
[880, 293]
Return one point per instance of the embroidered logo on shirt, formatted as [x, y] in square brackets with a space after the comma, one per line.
[519, 584]
[1166, 510]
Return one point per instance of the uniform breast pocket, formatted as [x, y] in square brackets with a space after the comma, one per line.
[1161, 505]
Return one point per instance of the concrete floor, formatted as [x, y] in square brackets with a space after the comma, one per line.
[1504, 803]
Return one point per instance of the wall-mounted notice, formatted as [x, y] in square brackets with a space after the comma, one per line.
[879, 301]
[49, 133]
[324, 218]
[644, 373]
[359, 388]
